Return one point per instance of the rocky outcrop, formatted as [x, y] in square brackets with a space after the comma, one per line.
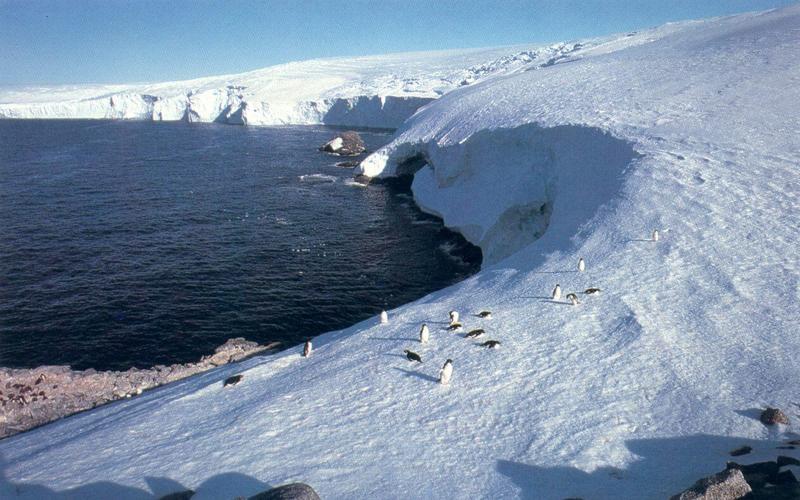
[772, 416]
[761, 480]
[726, 485]
[345, 144]
[293, 491]
[32, 397]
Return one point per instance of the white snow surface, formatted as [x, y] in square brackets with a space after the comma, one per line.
[692, 129]
[369, 91]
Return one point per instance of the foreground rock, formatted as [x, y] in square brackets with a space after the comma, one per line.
[32, 397]
[294, 491]
[345, 144]
[726, 485]
[757, 481]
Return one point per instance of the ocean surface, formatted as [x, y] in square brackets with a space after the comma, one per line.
[136, 243]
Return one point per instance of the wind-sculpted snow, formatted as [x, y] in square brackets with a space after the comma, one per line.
[376, 91]
[634, 393]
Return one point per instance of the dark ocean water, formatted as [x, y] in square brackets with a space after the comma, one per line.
[135, 243]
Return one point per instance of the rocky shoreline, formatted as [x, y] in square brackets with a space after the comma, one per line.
[32, 397]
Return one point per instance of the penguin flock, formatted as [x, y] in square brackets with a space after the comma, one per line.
[454, 325]
[446, 373]
[555, 296]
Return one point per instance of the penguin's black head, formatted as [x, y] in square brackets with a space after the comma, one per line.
[406, 351]
[449, 361]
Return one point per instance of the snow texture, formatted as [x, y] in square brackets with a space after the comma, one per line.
[692, 129]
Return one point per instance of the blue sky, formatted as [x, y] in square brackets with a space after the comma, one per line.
[108, 41]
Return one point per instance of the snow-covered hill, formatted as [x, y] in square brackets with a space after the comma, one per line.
[372, 91]
[691, 129]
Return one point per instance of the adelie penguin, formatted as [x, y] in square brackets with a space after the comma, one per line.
[581, 265]
[484, 315]
[557, 292]
[453, 317]
[384, 317]
[491, 344]
[592, 291]
[475, 333]
[454, 327]
[573, 299]
[307, 349]
[655, 235]
[412, 356]
[446, 373]
[424, 334]
[232, 380]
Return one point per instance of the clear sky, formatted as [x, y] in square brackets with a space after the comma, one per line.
[119, 41]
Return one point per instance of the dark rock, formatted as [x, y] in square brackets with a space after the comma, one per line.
[794, 441]
[772, 416]
[757, 474]
[785, 477]
[232, 380]
[293, 491]
[785, 447]
[347, 164]
[744, 450]
[784, 460]
[726, 485]
[345, 144]
[180, 495]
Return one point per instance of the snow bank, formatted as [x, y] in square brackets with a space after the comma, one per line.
[637, 392]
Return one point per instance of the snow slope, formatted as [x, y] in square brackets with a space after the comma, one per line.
[372, 91]
[691, 128]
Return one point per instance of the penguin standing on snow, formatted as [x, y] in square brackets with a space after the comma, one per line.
[424, 334]
[307, 349]
[572, 298]
[453, 317]
[655, 235]
[557, 292]
[446, 372]
[384, 317]
[412, 356]
[581, 265]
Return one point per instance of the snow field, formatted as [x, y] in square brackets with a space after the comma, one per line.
[691, 129]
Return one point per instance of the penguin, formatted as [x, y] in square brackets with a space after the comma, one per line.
[581, 265]
[573, 298]
[412, 356]
[229, 381]
[454, 327]
[424, 334]
[307, 349]
[484, 315]
[557, 292]
[592, 291]
[453, 317]
[475, 333]
[491, 344]
[384, 317]
[446, 372]
[655, 235]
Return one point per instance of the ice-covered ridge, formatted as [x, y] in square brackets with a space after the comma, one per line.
[370, 91]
